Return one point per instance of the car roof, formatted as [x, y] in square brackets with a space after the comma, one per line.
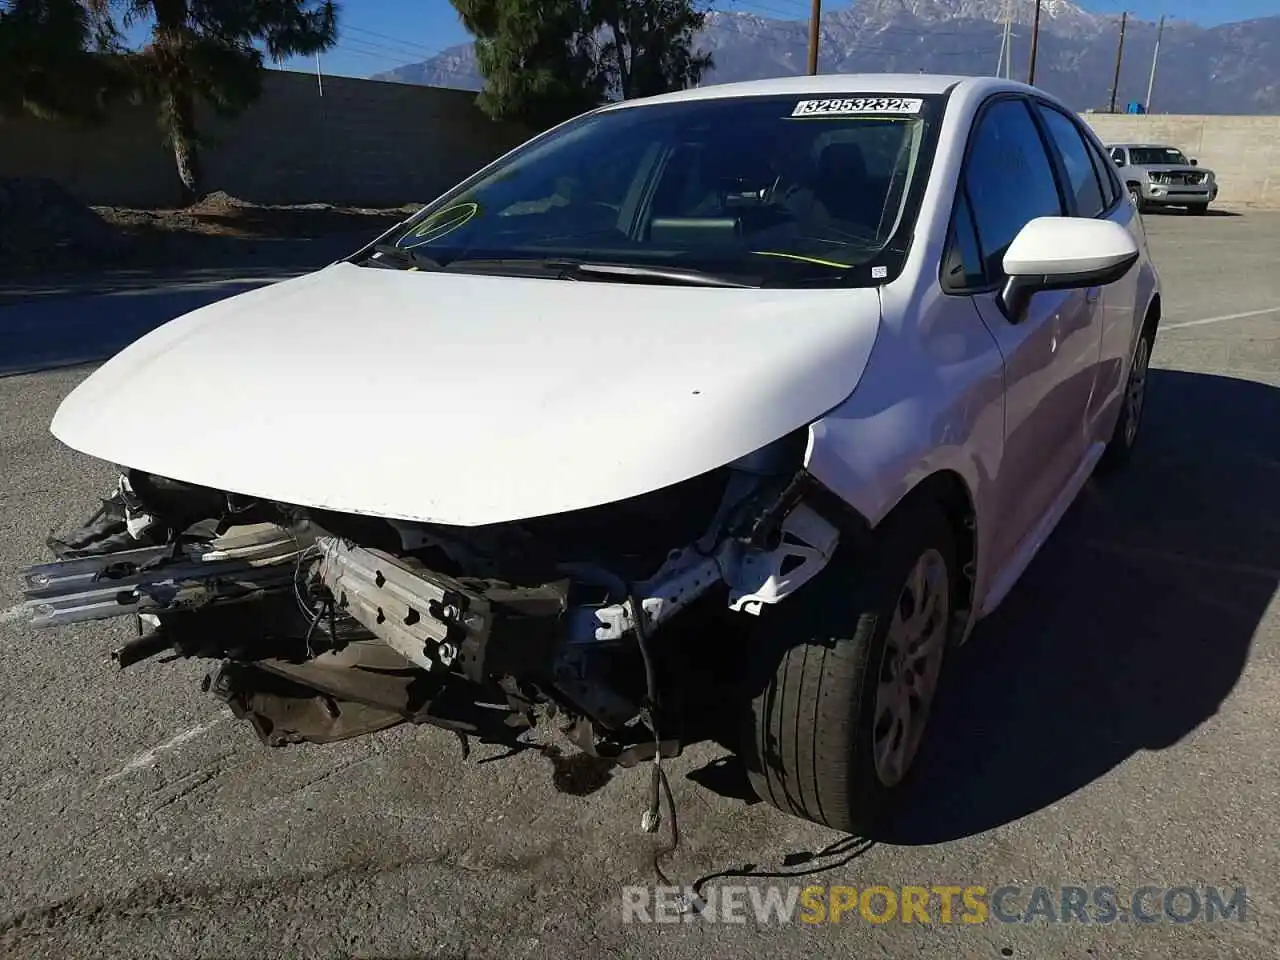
[828, 84]
[1142, 146]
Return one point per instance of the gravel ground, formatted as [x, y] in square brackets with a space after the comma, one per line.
[1114, 723]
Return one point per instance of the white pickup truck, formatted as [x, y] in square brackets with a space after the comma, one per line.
[1158, 175]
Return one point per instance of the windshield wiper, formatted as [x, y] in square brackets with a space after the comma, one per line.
[404, 258]
[562, 268]
[695, 278]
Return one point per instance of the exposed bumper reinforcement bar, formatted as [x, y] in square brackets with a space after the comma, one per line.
[423, 616]
[242, 563]
[434, 621]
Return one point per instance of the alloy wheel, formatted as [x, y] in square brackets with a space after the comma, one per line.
[912, 661]
[1136, 392]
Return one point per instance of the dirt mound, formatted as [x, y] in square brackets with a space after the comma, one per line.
[41, 224]
[217, 202]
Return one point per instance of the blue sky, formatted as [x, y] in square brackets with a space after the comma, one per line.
[381, 34]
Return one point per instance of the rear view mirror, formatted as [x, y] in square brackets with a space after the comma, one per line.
[1063, 253]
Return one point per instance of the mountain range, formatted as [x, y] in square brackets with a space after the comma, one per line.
[1233, 68]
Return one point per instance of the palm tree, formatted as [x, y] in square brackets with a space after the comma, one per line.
[213, 50]
[47, 65]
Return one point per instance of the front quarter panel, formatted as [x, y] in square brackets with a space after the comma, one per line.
[930, 400]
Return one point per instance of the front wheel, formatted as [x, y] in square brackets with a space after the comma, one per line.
[843, 674]
[1120, 447]
[1135, 194]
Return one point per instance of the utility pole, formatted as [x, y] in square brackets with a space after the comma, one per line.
[1115, 87]
[1035, 46]
[1006, 40]
[815, 14]
[1151, 84]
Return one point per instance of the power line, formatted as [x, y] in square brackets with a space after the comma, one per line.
[384, 49]
[355, 43]
[799, 7]
[788, 16]
[371, 53]
[415, 48]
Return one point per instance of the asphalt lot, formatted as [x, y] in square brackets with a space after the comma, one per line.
[1113, 724]
[54, 321]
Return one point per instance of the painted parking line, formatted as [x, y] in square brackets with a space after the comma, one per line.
[1222, 319]
[150, 758]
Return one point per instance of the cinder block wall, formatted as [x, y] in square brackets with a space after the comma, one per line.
[363, 141]
[366, 141]
[1243, 152]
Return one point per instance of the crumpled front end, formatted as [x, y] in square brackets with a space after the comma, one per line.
[615, 623]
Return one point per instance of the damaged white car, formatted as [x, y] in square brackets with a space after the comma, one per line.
[718, 414]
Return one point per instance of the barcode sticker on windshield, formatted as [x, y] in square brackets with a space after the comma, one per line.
[855, 106]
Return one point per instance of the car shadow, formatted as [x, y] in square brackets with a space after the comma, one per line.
[1128, 631]
[1184, 212]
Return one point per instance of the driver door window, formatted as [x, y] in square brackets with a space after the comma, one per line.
[1010, 180]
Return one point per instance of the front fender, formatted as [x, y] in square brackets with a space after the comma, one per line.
[930, 401]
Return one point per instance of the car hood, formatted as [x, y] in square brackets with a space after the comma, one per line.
[467, 399]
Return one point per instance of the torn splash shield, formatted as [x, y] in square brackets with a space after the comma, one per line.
[362, 688]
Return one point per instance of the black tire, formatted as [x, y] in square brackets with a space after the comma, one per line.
[1119, 448]
[815, 663]
[1135, 193]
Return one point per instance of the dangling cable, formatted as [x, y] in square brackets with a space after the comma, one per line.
[659, 786]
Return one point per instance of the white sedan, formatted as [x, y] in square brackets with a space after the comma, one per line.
[719, 413]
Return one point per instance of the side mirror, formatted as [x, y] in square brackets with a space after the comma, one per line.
[1063, 253]
[1195, 162]
[1119, 161]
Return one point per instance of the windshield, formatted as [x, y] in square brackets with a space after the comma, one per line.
[1143, 156]
[768, 190]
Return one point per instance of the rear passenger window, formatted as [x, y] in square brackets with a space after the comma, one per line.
[1081, 176]
[1106, 167]
[1009, 180]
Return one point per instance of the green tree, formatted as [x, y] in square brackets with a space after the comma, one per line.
[544, 61]
[649, 45]
[213, 51]
[48, 61]
[538, 58]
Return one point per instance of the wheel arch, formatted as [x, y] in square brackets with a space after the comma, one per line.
[949, 490]
[1151, 320]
